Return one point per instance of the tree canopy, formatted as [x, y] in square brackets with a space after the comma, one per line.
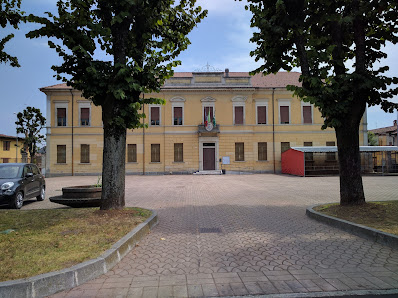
[30, 122]
[114, 51]
[10, 14]
[338, 45]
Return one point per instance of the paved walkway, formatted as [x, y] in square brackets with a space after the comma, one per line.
[240, 235]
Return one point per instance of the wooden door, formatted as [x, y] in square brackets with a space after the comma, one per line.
[209, 159]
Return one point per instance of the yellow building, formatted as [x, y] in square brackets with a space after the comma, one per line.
[10, 149]
[211, 121]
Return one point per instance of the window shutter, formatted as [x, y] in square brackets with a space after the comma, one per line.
[178, 152]
[239, 151]
[284, 114]
[155, 152]
[132, 153]
[84, 116]
[262, 151]
[84, 153]
[262, 115]
[61, 153]
[61, 117]
[307, 114]
[177, 115]
[155, 116]
[238, 115]
[285, 146]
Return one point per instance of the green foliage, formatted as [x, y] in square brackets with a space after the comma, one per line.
[372, 139]
[10, 14]
[338, 44]
[139, 41]
[30, 122]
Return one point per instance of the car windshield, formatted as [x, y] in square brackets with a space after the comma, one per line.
[10, 171]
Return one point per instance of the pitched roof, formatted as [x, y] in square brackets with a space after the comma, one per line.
[10, 137]
[278, 80]
[385, 130]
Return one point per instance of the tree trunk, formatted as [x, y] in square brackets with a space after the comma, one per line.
[351, 187]
[113, 168]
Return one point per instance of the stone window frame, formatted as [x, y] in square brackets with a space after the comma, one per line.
[307, 104]
[239, 101]
[150, 114]
[262, 103]
[61, 105]
[177, 102]
[281, 103]
[85, 104]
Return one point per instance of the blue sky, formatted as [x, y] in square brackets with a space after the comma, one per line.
[222, 40]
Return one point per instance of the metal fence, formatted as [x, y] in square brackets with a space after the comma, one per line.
[372, 163]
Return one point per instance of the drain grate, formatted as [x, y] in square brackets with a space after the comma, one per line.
[209, 230]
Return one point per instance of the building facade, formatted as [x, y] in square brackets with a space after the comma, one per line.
[211, 121]
[10, 149]
[386, 136]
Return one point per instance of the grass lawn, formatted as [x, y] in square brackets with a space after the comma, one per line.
[382, 216]
[49, 240]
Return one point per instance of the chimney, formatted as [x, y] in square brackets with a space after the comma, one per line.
[227, 72]
[395, 122]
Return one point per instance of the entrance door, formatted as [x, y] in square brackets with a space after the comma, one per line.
[209, 159]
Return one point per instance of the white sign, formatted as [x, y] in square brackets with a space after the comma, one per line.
[225, 160]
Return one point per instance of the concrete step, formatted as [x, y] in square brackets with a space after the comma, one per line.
[215, 172]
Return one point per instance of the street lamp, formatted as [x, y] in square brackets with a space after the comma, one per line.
[16, 149]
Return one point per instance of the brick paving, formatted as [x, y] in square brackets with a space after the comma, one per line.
[240, 235]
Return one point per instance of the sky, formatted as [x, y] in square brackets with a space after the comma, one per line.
[221, 39]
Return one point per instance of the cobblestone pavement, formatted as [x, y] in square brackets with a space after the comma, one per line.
[239, 235]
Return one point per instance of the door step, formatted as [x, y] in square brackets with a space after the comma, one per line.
[215, 172]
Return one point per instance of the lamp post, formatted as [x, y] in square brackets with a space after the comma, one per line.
[16, 149]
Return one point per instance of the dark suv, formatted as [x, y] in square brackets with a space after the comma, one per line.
[20, 182]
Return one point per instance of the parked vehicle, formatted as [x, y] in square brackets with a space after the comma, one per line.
[20, 182]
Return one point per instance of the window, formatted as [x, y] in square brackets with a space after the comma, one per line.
[84, 153]
[35, 170]
[132, 153]
[307, 114]
[261, 115]
[284, 113]
[262, 151]
[238, 115]
[61, 116]
[330, 156]
[85, 116]
[178, 152]
[309, 156]
[177, 115]
[61, 153]
[6, 160]
[155, 115]
[239, 151]
[155, 152]
[207, 111]
[6, 145]
[285, 146]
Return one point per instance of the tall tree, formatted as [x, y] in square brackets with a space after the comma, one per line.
[30, 122]
[141, 40]
[338, 45]
[10, 14]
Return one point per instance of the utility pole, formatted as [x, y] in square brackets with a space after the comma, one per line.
[16, 149]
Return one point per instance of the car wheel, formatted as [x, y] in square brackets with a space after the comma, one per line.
[42, 195]
[18, 200]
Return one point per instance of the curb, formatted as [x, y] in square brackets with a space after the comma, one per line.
[50, 283]
[353, 228]
[348, 294]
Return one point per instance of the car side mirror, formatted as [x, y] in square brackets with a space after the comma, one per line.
[29, 175]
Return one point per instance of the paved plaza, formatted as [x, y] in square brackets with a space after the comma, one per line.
[240, 235]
